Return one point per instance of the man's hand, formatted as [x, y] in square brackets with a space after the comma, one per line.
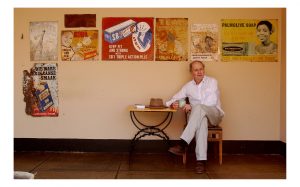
[187, 108]
[175, 105]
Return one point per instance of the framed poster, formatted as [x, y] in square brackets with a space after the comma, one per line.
[204, 42]
[127, 39]
[171, 39]
[79, 45]
[43, 41]
[250, 40]
[40, 90]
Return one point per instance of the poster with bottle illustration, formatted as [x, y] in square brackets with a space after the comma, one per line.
[171, 39]
[43, 41]
[79, 45]
[204, 42]
[40, 90]
[250, 40]
[127, 38]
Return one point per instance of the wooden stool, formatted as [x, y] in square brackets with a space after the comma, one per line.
[214, 135]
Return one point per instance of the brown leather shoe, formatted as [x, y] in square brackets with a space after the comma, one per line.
[177, 150]
[200, 166]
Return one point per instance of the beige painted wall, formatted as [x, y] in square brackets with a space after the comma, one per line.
[93, 96]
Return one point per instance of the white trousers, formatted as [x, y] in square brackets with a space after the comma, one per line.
[197, 127]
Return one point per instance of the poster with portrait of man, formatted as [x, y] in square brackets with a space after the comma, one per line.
[127, 38]
[250, 40]
[43, 41]
[204, 42]
[171, 39]
[79, 45]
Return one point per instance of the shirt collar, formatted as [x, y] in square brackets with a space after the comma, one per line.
[203, 80]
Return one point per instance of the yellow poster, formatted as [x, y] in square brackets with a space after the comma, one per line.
[171, 39]
[79, 45]
[250, 40]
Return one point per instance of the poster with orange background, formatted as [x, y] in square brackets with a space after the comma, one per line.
[171, 39]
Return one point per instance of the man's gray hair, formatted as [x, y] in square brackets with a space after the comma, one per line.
[197, 61]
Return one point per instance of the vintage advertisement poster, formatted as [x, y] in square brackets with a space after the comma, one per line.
[79, 45]
[171, 39]
[40, 90]
[127, 39]
[80, 20]
[43, 41]
[250, 40]
[204, 42]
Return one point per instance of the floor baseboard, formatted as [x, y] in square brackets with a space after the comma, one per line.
[116, 145]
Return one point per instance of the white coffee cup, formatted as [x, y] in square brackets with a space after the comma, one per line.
[181, 103]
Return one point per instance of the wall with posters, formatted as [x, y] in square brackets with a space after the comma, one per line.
[94, 94]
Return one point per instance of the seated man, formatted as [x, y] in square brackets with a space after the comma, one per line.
[205, 107]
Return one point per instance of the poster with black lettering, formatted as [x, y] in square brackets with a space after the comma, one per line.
[204, 42]
[40, 90]
[79, 45]
[126, 38]
[250, 40]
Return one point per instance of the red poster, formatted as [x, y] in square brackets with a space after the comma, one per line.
[127, 39]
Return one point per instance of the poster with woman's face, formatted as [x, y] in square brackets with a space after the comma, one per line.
[250, 40]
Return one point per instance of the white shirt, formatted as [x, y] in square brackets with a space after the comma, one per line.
[206, 93]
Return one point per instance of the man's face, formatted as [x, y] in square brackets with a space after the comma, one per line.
[198, 71]
[67, 39]
[209, 41]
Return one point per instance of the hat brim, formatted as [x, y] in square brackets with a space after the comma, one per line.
[156, 107]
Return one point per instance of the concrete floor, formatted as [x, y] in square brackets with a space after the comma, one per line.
[58, 165]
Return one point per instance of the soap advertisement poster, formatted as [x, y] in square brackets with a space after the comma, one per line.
[127, 39]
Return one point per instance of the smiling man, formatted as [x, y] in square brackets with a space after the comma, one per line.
[205, 107]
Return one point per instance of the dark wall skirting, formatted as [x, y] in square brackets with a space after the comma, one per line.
[254, 147]
[100, 145]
